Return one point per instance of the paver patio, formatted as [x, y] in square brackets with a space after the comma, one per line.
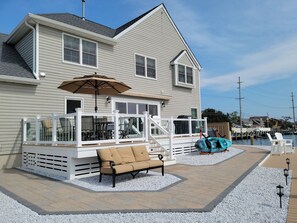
[202, 189]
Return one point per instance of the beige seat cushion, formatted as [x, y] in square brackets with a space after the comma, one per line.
[126, 154]
[107, 155]
[140, 153]
[140, 165]
[154, 163]
[118, 169]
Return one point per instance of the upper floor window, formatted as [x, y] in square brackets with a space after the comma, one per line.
[80, 51]
[185, 74]
[145, 67]
[184, 70]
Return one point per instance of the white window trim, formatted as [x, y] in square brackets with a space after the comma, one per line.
[137, 101]
[80, 51]
[145, 66]
[75, 99]
[184, 84]
[196, 110]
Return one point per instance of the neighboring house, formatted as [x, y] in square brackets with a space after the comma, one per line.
[148, 53]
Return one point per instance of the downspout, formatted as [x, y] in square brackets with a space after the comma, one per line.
[34, 50]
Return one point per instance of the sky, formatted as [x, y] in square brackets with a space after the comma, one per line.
[255, 40]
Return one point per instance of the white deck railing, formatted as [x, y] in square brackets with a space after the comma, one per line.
[83, 128]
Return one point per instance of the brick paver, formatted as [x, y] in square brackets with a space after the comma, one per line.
[201, 190]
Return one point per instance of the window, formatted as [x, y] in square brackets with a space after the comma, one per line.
[71, 49]
[72, 104]
[132, 108]
[189, 75]
[140, 65]
[121, 107]
[185, 74]
[145, 66]
[184, 70]
[153, 110]
[137, 108]
[194, 113]
[80, 51]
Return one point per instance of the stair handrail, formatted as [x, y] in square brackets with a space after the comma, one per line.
[151, 120]
[169, 134]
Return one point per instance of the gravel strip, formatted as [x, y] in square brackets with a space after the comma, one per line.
[253, 200]
[207, 159]
[151, 181]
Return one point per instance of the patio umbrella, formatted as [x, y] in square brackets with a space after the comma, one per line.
[94, 84]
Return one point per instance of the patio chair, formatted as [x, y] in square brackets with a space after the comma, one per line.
[46, 130]
[125, 133]
[277, 147]
[67, 133]
[87, 128]
[286, 143]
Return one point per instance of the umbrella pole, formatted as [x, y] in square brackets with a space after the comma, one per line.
[96, 108]
[95, 120]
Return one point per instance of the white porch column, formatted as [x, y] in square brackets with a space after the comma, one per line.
[146, 125]
[37, 129]
[54, 129]
[78, 127]
[25, 129]
[116, 126]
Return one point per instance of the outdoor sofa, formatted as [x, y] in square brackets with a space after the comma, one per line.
[124, 160]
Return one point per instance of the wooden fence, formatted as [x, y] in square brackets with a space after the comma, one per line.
[223, 128]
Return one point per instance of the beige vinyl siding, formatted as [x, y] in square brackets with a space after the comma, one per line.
[57, 71]
[185, 61]
[25, 49]
[156, 38]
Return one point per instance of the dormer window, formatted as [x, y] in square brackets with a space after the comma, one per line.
[145, 67]
[185, 74]
[184, 70]
[79, 51]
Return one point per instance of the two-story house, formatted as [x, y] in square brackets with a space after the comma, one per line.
[149, 54]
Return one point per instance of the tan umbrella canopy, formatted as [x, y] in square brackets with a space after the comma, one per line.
[94, 84]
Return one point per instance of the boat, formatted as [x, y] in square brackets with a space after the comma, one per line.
[210, 145]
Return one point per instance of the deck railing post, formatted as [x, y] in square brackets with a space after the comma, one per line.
[145, 127]
[78, 127]
[190, 126]
[205, 125]
[37, 129]
[116, 126]
[171, 133]
[25, 123]
[54, 129]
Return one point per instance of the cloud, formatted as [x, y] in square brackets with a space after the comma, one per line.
[275, 63]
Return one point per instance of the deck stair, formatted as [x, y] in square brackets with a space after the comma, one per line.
[156, 148]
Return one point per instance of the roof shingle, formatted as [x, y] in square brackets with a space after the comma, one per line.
[11, 62]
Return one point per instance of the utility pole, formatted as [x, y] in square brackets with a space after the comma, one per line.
[240, 107]
[294, 124]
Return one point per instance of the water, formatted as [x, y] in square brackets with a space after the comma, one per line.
[264, 141]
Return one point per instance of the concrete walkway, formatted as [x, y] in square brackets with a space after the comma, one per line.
[280, 162]
[202, 189]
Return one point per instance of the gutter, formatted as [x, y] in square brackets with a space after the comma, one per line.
[35, 72]
[19, 80]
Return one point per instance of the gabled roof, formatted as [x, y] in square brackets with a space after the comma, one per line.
[180, 55]
[130, 23]
[11, 62]
[77, 21]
